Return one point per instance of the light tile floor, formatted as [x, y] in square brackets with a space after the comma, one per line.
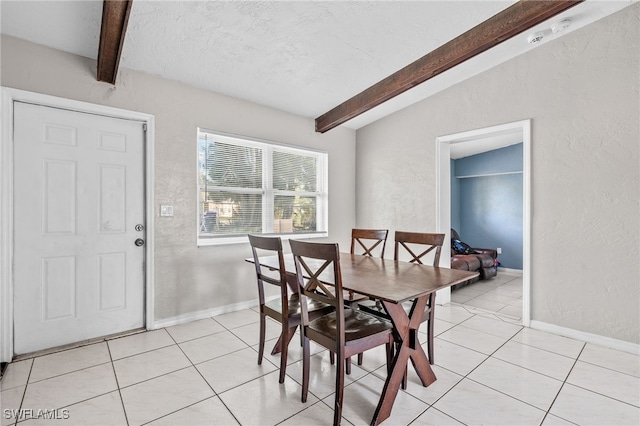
[501, 295]
[490, 371]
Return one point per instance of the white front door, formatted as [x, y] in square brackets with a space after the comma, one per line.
[78, 211]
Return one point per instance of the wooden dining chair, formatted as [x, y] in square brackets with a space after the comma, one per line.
[345, 331]
[286, 308]
[366, 242]
[424, 243]
[369, 242]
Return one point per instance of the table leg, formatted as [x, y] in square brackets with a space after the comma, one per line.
[277, 348]
[293, 286]
[407, 330]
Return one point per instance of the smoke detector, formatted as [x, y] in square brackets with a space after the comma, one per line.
[561, 25]
[535, 37]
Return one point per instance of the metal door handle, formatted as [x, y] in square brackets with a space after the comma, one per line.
[139, 242]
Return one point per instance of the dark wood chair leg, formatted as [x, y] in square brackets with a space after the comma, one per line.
[360, 358]
[262, 333]
[337, 406]
[305, 369]
[286, 338]
[430, 333]
[348, 365]
[332, 357]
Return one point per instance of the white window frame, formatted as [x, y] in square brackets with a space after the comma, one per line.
[269, 193]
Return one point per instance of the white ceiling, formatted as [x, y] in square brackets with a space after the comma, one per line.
[303, 57]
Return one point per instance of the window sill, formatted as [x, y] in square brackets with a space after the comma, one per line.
[222, 241]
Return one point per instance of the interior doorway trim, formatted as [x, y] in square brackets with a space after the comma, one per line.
[443, 196]
[9, 96]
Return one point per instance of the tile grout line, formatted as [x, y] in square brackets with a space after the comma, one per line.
[584, 345]
[466, 376]
[430, 405]
[180, 369]
[268, 360]
[215, 394]
[70, 372]
[60, 375]
[113, 367]
[24, 393]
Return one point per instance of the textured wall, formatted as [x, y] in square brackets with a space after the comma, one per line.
[581, 92]
[187, 278]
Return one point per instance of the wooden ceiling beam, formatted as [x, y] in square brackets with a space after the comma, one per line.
[115, 17]
[512, 21]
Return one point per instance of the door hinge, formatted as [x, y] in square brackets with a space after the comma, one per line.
[144, 127]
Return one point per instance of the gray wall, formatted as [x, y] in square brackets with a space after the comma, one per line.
[489, 203]
[581, 93]
[187, 278]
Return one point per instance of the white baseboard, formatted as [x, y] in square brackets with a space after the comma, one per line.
[596, 339]
[194, 316]
[509, 271]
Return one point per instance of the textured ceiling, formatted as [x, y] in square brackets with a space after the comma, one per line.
[305, 57]
[302, 57]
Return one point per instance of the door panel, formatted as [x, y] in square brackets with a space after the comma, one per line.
[78, 195]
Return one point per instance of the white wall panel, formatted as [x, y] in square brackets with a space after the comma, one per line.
[59, 197]
[112, 280]
[113, 208]
[61, 135]
[58, 287]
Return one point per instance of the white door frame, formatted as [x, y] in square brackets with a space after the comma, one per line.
[10, 95]
[443, 196]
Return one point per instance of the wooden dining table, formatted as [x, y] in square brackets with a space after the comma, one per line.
[393, 283]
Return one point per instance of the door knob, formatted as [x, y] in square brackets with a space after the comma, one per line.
[139, 242]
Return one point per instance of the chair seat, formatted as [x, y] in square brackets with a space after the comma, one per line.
[357, 325]
[315, 308]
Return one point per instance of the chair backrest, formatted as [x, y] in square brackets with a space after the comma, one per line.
[410, 240]
[269, 246]
[319, 278]
[368, 240]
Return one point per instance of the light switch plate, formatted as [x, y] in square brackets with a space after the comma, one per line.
[166, 210]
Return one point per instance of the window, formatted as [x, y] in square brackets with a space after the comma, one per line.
[253, 187]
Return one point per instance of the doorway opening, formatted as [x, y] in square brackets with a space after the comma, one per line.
[475, 142]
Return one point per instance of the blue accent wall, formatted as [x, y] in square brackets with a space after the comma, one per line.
[488, 204]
